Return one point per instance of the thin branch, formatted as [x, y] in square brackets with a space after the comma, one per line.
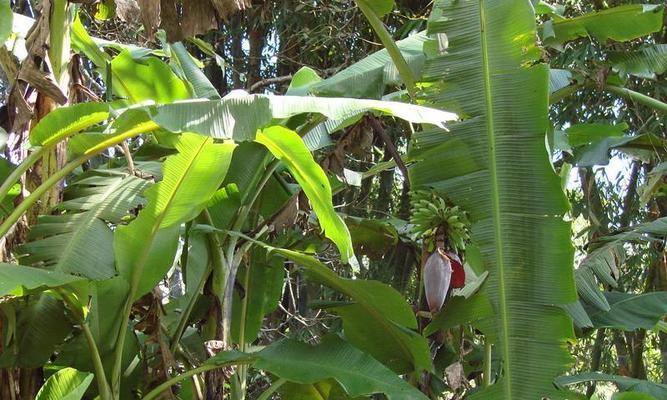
[270, 81]
[389, 144]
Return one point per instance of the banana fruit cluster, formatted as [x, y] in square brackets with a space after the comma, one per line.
[429, 212]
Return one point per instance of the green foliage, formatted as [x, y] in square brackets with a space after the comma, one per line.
[623, 382]
[494, 165]
[620, 23]
[286, 146]
[356, 372]
[6, 17]
[66, 384]
[20, 281]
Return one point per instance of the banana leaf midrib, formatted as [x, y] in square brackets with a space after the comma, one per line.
[500, 265]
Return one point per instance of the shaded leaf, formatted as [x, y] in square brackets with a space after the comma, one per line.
[622, 382]
[630, 311]
[383, 306]
[645, 62]
[17, 280]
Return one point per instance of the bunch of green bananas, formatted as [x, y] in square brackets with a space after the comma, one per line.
[429, 212]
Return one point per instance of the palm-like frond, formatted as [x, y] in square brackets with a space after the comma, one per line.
[81, 243]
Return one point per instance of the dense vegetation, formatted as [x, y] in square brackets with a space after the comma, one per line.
[235, 199]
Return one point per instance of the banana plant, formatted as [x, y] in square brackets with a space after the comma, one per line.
[215, 159]
[483, 63]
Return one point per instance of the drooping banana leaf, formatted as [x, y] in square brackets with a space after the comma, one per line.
[620, 23]
[369, 77]
[18, 280]
[239, 115]
[629, 311]
[377, 308]
[356, 372]
[288, 147]
[604, 261]
[495, 166]
[645, 62]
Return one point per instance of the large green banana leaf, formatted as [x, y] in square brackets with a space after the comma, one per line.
[484, 64]
[357, 372]
[145, 248]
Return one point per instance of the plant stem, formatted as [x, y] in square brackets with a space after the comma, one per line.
[394, 52]
[638, 97]
[231, 255]
[102, 384]
[266, 395]
[204, 368]
[20, 170]
[487, 362]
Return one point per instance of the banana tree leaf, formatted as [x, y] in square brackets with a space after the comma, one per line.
[381, 7]
[146, 79]
[7, 205]
[324, 390]
[239, 115]
[78, 244]
[579, 315]
[65, 121]
[384, 307]
[41, 328]
[81, 243]
[624, 383]
[110, 194]
[301, 82]
[66, 384]
[645, 62]
[356, 372]
[369, 77]
[643, 147]
[604, 260]
[201, 86]
[288, 147]
[17, 280]
[631, 311]
[649, 231]
[620, 23]
[460, 310]
[262, 280]
[495, 166]
[6, 18]
[145, 248]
